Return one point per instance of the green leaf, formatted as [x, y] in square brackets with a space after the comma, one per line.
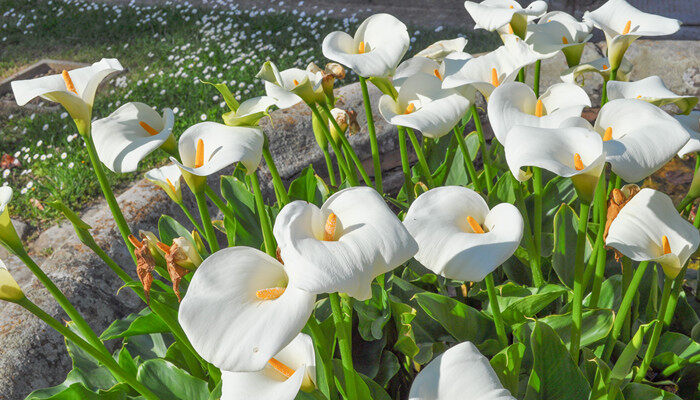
[674, 351]
[146, 346]
[170, 382]
[242, 203]
[503, 191]
[461, 321]
[305, 187]
[388, 367]
[169, 229]
[127, 362]
[554, 375]
[565, 227]
[373, 314]
[629, 355]
[596, 324]
[144, 322]
[457, 174]
[230, 100]
[526, 307]
[638, 391]
[507, 366]
[403, 314]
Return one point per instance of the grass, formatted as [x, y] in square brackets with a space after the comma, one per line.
[166, 50]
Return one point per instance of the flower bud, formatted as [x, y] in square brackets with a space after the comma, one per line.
[347, 122]
[186, 254]
[336, 70]
[9, 289]
[8, 234]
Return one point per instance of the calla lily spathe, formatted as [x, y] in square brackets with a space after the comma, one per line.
[442, 48]
[250, 112]
[486, 72]
[440, 222]
[569, 151]
[168, 179]
[461, 372]
[494, 14]
[208, 147]
[74, 89]
[423, 104]
[622, 24]
[648, 228]
[559, 31]
[691, 123]
[130, 133]
[651, 90]
[378, 46]
[240, 309]
[292, 369]
[514, 103]
[8, 234]
[9, 289]
[291, 86]
[601, 66]
[342, 246]
[431, 60]
[639, 137]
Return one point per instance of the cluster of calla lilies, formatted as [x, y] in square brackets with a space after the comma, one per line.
[244, 308]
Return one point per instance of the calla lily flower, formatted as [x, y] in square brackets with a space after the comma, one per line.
[651, 90]
[600, 66]
[74, 89]
[342, 246]
[639, 137]
[380, 42]
[486, 72]
[458, 236]
[292, 369]
[514, 103]
[129, 134]
[250, 112]
[442, 48]
[461, 372]
[691, 123]
[423, 104]
[292, 85]
[569, 151]
[623, 24]
[494, 14]
[420, 65]
[559, 31]
[240, 309]
[8, 234]
[648, 228]
[168, 179]
[208, 147]
[9, 289]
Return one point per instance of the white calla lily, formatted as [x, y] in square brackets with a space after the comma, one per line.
[559, 31]
[622, 24]
[639, 137]
[290, 86]
[494, 14]
[461, 372]
[441, 221]
[691, 123]
[292, 369]
[486, 72]
[514, 103]
[250, 111]
[417, 65]
[601, 66]
[240, 310]
[442, 48]
[9, 289]
[569, 151]
[651, 90]
[168, 179]
[648, 228]
[208, 147]
[378, 46]
[342, 246]
[130, 133]
[423, 104]
[74, 89]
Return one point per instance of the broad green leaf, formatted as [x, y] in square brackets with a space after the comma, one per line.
[361, 387]
[556, 192]
[230, 100]
[503, 191]
[674, 352]
[144, 322]
[629, 355]
[388, 367]
[638, 391]
[457, 174]
[78, 391]
[461, 321]
[685, 316]
[596, 324]
[403, 314]
[305, 187]
[526, 307]
[126, 361]
[565, 227]
[610, 297]
[170, 382]
[507, 366]
[242, 203]
[147, 346]
[554, 375]
[373, 314]
[169, 229]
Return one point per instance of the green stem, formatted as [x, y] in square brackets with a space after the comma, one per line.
[495, 308]
[269, 240]
[324, 357]
[329, 166]
[537, 218]
[601, 207]
[536, 83]
[105, 359]
[535, 267]
[521, 75]
[342, 162]
[109, 195]
[206, 221]
[219, 203]
[372, 137]
[576, 312]
[684, 203]
[484, 151]
[625, 307]
[280, 191]
[604, 91]
[421, 157]
[343, 332]
[626, 279]
[190, 216]
[656, 333]
[675, 292]
[351, 170]
[467, 160]
[405, 164]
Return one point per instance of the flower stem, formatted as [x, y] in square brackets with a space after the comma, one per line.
[535, 268]
[343, 333]
[604, 90]
[372, 137]
[656, 333]
[342, 162]
[521, 75]
[190, 216]
[536, 83]
[206, 220]
[324, 376]
[601, 208]
[467, 160]
[484, 151]
[280, 191]
[269, 240]
[576, 313]
[405, 164]
[421, 157]
[537, 217]
[624, 309]
[329, 166]
[495, 308]
[675, 292]
[105, 359]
